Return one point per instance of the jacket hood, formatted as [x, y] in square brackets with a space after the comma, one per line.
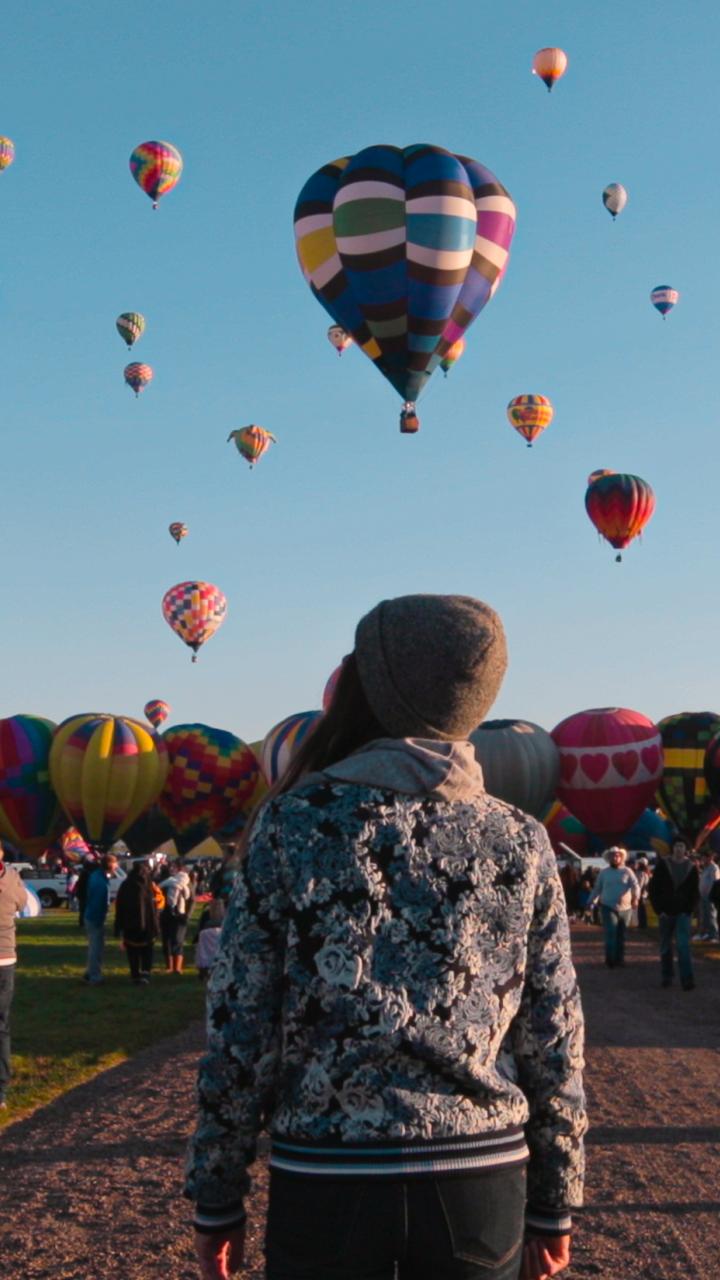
[414, 766]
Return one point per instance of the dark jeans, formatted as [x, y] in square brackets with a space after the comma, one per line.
[451, 1228]
[140, 959]
[7, 986]
[614, 925]
[679, 928]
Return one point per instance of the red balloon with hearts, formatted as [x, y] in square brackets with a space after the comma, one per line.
[611, 762]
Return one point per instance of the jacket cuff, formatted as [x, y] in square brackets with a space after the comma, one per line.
[541, 1221]
[209, 1218]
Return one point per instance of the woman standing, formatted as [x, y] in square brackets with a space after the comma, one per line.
[394, 996]
[136, 921]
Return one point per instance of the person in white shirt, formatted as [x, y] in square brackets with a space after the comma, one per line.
[618, 893]
[709, 872]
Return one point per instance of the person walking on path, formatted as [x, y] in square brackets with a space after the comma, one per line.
[673, 893]
[137, 921]
[174, 917]
[13, 898]
[707, 915]
[642, 875]
[95, 911]
[618, 893]
[394, 996]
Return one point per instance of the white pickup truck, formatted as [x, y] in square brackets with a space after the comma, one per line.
[52, 889]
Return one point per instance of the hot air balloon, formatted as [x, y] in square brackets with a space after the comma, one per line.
[664, 298]
[281, 743]
[615, 197]
[107, 770]
[452, 355]
[212, 780]
[549, 64]
[339, 338]
[564, 828]
[595, 475]
[131, 326]
[178, 531]
[73, 845]
[7, 153]
[30, 815]
[138, 376]
[156, 711]
[530, 415]
[404, 247]
[331, 686]
[194, 610]
[252, 442]
[651, 831]
[156, 167]
[610, 766]
[520, 763]
[683, 792]
[619, 506]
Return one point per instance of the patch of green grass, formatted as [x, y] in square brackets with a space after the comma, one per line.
[64, 1031]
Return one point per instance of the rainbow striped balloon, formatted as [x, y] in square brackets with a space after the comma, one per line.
[156, 711]
[107, 770]
[281, 743]
[131, 326]
[252, 442]
[29, 810]
[7, 153]
[530, 415]
[156, 167]
[212, 780]
[452, 355]
[138, 376]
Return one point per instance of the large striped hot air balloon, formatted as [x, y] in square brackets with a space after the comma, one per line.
[30, 814]
[550, 64]
[194, 610]
[212, 780]
[520, 763]
[107, 770]
[619, 506]
[683, 792]
[530, 415]
[281, 743]
[156, 167]
[610, 767]
[404, 246]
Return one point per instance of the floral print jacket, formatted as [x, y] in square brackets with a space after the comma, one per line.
[394, 989]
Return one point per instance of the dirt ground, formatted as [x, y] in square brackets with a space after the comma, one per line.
[89, 1184]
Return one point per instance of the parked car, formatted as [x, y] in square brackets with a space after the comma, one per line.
[52, 889]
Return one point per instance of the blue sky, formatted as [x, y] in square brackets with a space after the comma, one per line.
[344, 511]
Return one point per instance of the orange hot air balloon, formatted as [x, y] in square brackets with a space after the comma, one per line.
[452, 355]
[549, 64]
[619, 506]
[530, 415]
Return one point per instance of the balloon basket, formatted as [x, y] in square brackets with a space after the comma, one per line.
[409, 421]
[618, 558]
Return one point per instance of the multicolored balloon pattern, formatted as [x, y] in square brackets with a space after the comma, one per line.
[178, 531]
[194, 610]
[281, 743]
[610, 765]
[138, 376]
[530, 415]
[620, 506]
[156, 711]
[30, 815]
[156, 167]
[131, 326]
[7, 153]
[252, 442]
[211, 782]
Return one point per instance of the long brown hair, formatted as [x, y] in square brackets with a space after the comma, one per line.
[347, 725]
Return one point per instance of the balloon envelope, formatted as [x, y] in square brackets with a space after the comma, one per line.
[107, 770]
[615, 197]
[610, 766]
[30, 815]
[178, 531]
[211, 781]
[452, 355]
[130, 325]
[156, 167]
[156, 711]
[620, 506]
[683, 792]
[564, 828]
[664, 298]
[339, 339]
[403, 247]
[281, 743]
[7, 153]
[138, 376]
[550, 64]
[252, 442]
[520, 763]
[194, 610]
[530, 415]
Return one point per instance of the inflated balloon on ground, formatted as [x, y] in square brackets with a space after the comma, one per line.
[30, 814]
[211, 782]
[281, 743]
[683, 792]
[520, 763]
[610, 767]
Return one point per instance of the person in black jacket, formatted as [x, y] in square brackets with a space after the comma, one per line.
[673, 892]
[136, 921]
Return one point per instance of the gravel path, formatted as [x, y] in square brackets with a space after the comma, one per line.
[90, 1182]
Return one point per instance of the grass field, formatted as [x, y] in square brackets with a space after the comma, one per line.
[64, 1031]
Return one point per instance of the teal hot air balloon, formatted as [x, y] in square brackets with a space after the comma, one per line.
[520, 763]
[404, 246]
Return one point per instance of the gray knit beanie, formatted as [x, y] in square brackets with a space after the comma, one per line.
[430, 666]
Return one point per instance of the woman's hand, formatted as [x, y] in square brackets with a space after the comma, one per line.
[220, 1253]
[544, 1256]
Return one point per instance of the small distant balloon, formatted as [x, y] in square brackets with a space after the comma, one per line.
[178, 530]
[156, 711]
[664, 298]
[338, 338]
[615, 197]
[530, 415]
[156, 167]
[550, 64]
[7, 153]
[452, 355]
[138, 376]
[130, 325]
[252, 442]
